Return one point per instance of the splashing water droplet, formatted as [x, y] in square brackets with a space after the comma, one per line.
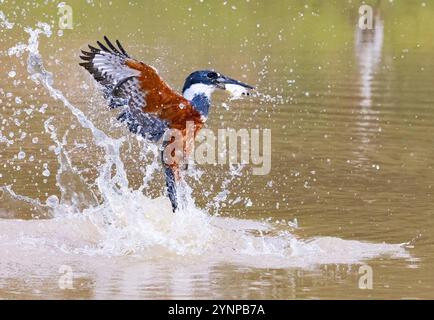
[52, 201]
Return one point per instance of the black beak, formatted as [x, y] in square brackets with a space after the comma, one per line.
[238, 83]
[222, 81]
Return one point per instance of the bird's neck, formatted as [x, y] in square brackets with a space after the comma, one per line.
[200, 97]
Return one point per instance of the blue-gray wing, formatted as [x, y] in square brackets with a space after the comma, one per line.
[145, 124]
[121, 87]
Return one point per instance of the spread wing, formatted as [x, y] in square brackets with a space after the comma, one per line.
[153, 106]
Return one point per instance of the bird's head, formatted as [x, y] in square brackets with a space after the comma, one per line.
[204, 82]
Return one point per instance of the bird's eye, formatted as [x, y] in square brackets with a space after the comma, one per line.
[212, 75]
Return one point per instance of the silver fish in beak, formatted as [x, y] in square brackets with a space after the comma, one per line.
[234, 87]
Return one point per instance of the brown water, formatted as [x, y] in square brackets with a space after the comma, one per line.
[352, 156]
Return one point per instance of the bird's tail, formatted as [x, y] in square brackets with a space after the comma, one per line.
[171, 186]
[170, 175]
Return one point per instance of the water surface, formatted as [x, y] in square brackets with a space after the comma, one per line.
[352, 154]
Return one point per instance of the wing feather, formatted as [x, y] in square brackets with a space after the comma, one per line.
[152, 105]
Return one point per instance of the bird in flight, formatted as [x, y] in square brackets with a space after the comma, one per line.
[152, 107]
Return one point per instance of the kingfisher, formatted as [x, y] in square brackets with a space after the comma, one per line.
[151, 106]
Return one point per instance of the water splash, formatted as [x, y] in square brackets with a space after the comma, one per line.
[4, 21]
[117, 220]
